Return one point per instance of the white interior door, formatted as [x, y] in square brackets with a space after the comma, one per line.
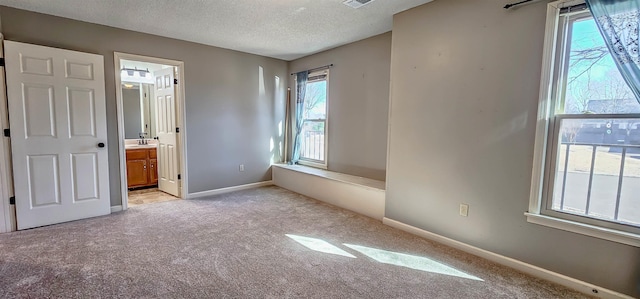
[58, 134]
[166, 131]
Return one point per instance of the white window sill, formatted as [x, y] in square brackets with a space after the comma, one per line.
[312, 164]
[336, 176]
[586, 229]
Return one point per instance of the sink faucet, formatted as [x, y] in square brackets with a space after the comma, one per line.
[143, 140]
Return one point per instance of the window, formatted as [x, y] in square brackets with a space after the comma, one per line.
[313, 150]
[587, 171]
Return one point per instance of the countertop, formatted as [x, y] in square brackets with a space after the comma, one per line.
[130, 144]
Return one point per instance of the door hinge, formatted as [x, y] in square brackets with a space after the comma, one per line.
[1, 61]
[179, 176]
[175, 81]
[7, 133]
[177, 130]
[12, 200]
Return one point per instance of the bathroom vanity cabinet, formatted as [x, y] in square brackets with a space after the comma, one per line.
[142, 167]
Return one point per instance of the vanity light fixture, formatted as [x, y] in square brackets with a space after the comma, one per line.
[356, 3]
[131, 72]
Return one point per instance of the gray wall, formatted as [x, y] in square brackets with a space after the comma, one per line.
[228, 122]
[132, 113]
[476, 67]
[358, 104]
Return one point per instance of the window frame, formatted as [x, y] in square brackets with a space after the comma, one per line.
[312, 162]
[547, 131]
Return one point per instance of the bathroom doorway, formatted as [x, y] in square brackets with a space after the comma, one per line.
[150, 101]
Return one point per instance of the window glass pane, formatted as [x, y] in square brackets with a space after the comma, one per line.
[593, 83]
[313, 140]
[315, 100]
[592, 153]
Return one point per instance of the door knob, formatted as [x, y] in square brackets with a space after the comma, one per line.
[101, 145]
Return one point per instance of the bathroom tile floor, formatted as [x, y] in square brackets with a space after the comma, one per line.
[151, 195]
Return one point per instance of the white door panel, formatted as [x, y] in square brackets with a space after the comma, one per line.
[44, 180]
[58, 117]
[84, 170]
[82, 118]
[39, 110]
[36, 65]
[166, 131]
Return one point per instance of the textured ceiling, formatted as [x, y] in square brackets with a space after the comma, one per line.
[284, 29]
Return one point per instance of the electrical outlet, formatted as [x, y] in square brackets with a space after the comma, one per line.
[464, 210]
[241, 167]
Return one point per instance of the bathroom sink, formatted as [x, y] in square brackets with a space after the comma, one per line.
[137, 146]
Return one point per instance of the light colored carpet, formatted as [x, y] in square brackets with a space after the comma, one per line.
[249, 244]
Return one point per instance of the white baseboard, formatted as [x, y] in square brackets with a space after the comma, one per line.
[228, 189]
[564, 280]
[116, 209]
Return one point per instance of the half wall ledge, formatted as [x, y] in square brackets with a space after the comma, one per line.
[361, 195]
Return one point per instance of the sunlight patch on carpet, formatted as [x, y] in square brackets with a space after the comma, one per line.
[319, 245]
[410, 261]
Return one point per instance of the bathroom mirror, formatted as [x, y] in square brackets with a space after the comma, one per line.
[139, 115]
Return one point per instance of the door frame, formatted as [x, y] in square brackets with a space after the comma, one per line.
[180, 120]
[7, 211]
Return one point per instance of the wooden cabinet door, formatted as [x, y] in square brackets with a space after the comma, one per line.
[153, 172]
[137, 173]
